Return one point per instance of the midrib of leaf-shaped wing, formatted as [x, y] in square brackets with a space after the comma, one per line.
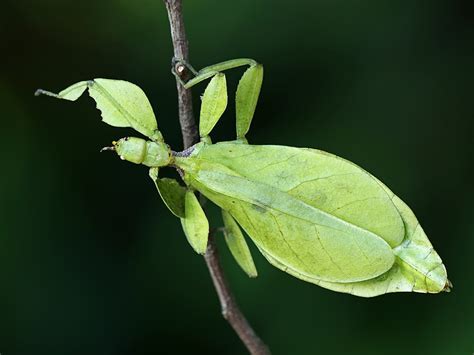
[320, 179]
[301, 236]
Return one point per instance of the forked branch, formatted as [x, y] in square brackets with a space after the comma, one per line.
[229, 307]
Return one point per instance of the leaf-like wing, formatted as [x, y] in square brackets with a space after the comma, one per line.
[121, 103]
[331, 185]
[297, 234]
[305, 238]
[195, 224]
[171, 192]
[214, 103]
[238, 246]
[246, 98]
[322, 180]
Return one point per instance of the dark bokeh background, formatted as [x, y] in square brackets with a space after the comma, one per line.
[91, 262]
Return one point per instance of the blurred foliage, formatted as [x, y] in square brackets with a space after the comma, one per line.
[91, 262]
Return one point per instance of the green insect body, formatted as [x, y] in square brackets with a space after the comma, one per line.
[315, 221]
[311, 214]
[139, 151]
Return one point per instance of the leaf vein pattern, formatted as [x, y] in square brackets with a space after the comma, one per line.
[319, 178]
[356, 201]
[286, 242]
[327, 253]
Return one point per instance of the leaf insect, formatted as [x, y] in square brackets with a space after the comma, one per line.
[312, 214]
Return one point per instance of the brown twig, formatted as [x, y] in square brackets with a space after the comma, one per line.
[181, 52]
[229, 307]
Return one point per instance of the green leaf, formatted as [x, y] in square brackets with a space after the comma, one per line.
[121, 103]
[246, 98]
[195, 224]
[318, 217]
[171, 192]
[214, 103]
[237, 245]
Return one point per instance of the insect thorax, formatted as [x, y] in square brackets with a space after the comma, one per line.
[140, 151]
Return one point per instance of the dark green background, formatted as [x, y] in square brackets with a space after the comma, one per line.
[91, 262]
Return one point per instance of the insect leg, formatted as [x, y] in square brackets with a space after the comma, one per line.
[209, 71]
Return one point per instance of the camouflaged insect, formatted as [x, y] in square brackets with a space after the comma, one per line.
[311, 214]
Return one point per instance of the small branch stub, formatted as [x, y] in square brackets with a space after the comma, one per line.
[180, 68]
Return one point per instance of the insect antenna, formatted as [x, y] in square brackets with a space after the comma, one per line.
[108, 148]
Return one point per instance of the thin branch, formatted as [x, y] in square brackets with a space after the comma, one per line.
[181, 51]
[229, 307]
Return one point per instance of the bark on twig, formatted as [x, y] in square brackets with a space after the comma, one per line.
[181, 51]
[230, 310]
[229, 307]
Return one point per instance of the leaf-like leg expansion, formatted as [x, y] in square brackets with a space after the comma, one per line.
[122, 104]
[195, 224]
[246, 99]
[238, 246]
[171, 192]
[214, 103]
